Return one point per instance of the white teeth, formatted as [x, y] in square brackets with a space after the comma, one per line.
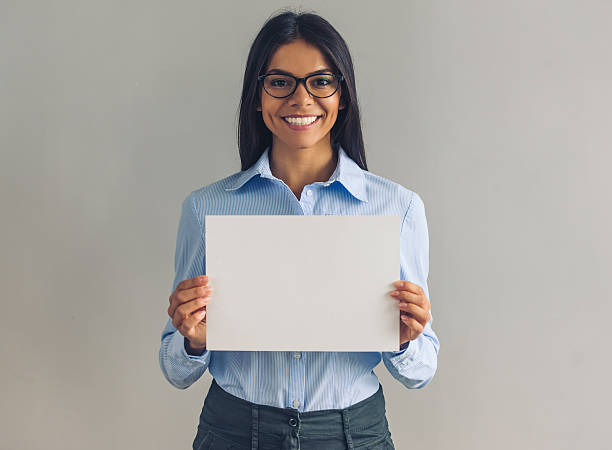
[300, 120]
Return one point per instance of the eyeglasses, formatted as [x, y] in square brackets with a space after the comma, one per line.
[319, 85]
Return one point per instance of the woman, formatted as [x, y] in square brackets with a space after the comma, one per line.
[302, 152]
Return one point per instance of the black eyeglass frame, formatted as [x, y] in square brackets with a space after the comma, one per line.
[261, 79]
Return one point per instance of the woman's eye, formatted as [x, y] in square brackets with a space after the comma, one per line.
[322, 81]
[278, 83]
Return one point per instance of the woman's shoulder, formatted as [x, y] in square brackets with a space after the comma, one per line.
[213, 198]
[216, 188]
[385, 187]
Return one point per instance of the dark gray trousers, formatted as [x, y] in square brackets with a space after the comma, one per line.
[229, 422]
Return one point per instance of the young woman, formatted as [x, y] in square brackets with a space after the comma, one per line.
[302, 152]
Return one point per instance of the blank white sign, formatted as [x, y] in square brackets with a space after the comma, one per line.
[302, 283]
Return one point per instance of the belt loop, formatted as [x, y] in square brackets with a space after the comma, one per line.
[347, 432]
[255, 427]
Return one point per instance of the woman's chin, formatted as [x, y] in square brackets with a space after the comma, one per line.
[301, 143]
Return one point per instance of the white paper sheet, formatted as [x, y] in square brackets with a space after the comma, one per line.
[302, 283]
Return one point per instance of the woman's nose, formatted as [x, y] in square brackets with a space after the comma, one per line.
[301, 95]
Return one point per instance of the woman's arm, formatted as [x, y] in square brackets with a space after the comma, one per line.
[180, 368]
[415, 366]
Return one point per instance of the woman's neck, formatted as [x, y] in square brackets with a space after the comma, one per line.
[302, 166]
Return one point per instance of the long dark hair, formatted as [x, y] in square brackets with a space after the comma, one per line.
[281, 29]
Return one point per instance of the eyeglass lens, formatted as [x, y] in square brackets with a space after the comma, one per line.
[280, 85]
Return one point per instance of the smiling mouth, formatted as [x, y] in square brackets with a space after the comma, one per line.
[301, 121]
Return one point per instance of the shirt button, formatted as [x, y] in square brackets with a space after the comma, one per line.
[297, 355]
[296, 403]
[309, 192]
[292, 422]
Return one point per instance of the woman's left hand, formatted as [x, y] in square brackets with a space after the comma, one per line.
[414, 309]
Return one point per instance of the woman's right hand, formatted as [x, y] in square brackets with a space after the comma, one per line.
[188, 309]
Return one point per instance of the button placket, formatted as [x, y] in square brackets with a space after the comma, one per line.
[307, 201]
[295, 398]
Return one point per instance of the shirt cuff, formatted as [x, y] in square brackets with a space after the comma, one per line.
[177, 348]
[404, 349]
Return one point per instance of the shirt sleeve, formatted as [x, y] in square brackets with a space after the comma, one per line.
[416, 365]
[179, 368]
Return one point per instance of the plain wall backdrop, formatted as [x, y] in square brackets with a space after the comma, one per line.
[496, 113]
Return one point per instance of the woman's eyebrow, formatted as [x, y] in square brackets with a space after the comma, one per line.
[284, 72]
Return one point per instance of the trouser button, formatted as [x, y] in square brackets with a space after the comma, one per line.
[292, 422]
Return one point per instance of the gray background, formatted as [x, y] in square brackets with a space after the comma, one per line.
[496, 113]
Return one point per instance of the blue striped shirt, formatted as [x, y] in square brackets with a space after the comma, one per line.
[306, 381]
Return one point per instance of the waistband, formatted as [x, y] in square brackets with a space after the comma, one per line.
[368, 403]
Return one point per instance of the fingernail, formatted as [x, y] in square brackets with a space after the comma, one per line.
[394, 293]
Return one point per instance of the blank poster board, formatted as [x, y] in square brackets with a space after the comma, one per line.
[302, 283]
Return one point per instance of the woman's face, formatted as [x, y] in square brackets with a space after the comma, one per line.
[300, 59]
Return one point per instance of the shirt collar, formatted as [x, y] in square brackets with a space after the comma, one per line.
[347, 172]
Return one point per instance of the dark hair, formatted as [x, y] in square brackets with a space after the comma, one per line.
[284, 28]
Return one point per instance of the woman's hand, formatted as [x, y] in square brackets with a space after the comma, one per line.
[188, 309]
[414, 309]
